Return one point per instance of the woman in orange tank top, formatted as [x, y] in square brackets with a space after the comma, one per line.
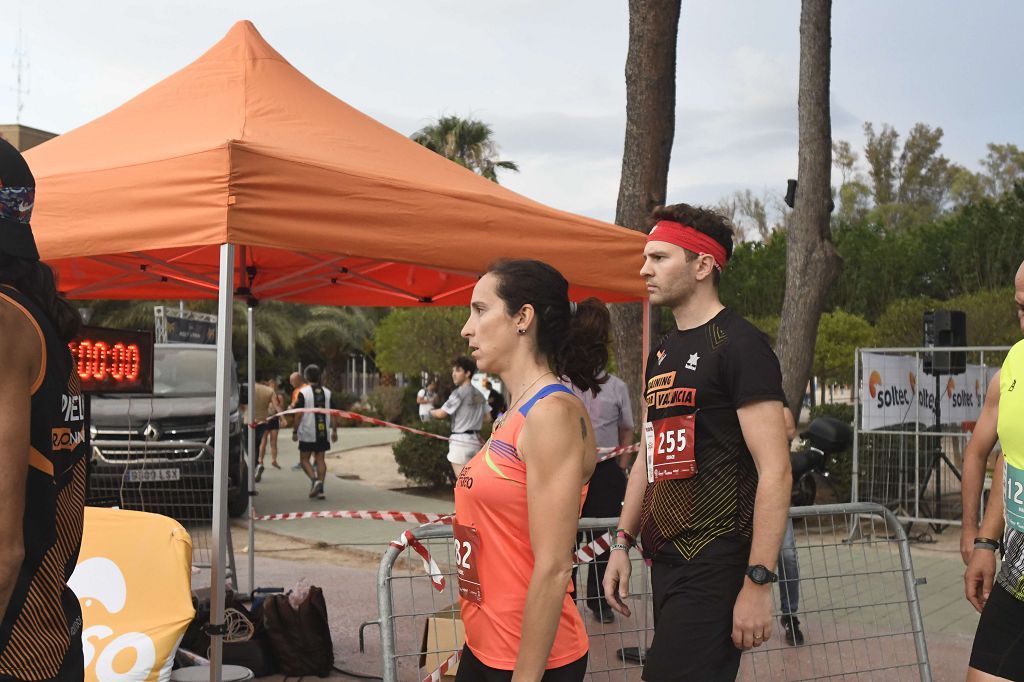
[517, 502]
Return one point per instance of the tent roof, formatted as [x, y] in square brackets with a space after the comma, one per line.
[333, 207]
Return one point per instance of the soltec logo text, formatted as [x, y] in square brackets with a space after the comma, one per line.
[962, 399]
[893, 397]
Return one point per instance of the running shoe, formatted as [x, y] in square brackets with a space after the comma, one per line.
[791, 626]
[259, 472]
[318, 489]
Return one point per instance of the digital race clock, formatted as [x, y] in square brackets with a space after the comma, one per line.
[113, 360]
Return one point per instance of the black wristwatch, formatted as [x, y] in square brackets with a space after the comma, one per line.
[761, 575]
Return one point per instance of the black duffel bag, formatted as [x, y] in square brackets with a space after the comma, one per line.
[300, 639]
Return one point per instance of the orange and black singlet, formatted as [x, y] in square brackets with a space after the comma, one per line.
[43, 619]
[494, 552]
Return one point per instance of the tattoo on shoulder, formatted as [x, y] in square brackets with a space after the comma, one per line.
[583, 427]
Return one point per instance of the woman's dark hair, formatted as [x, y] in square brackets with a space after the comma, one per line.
[575, 344]
[35, 279]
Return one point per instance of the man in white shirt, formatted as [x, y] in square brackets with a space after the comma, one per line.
[465, 407]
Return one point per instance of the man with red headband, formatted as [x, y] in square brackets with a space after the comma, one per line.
[710, 502]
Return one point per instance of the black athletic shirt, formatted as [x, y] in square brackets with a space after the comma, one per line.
[44, 615]
[726, 363]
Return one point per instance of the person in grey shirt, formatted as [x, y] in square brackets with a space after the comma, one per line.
[611, 415]
[466, 407]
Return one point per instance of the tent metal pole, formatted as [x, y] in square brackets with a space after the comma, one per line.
[645, 348]
[253, 446]
[220, 450]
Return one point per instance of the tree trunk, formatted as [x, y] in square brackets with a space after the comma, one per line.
[650, 127]
[812, 264]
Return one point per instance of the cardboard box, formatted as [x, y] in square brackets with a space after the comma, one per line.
[443, 635]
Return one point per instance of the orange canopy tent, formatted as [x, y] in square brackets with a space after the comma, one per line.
[239, 150]
[331, 206]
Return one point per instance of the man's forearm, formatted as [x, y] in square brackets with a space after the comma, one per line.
[631, 505]
[771, 509]
[993, 525]
[972, 484]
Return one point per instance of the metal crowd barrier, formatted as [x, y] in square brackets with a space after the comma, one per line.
[858, 606]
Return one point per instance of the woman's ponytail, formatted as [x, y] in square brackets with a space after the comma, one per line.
[583, 356]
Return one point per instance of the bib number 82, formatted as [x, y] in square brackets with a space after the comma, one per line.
[674, 440]
[463, 550]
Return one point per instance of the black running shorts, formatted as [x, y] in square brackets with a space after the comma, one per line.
[999, 642]
[322, 445]
[471, 669]
[693, 603]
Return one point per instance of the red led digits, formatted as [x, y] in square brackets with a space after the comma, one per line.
[113, 360]
[100, 355]
[96, 360]
[131, 362]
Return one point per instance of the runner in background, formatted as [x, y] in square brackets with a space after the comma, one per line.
[495, 400]
[42, 450]
[297, 383]
[518, 500]
[998, 651]
[311, 430]
[979, 447]
[710, 506]
[260, 413]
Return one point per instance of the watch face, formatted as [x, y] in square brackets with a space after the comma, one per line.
[758, 574]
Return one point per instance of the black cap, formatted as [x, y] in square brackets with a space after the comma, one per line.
[17, 197]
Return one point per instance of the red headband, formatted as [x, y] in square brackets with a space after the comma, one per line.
[689, 239]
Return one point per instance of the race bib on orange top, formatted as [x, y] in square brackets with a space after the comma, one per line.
[670, 452]
[467, 553]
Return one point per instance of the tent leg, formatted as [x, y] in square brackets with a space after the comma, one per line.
[220, 451]
[253, 445]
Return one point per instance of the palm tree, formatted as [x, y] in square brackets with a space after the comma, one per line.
[467, 142]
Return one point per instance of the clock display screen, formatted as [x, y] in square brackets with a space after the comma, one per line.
[113, 360]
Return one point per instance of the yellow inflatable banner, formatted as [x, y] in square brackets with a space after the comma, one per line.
[133, 580]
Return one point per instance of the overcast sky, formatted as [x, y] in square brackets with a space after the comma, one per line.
[548, 76]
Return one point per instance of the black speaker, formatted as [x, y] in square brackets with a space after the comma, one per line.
[945, 328]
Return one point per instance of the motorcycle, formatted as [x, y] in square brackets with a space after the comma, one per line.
[824, 438]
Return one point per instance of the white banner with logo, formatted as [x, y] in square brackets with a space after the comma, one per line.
[895, 390]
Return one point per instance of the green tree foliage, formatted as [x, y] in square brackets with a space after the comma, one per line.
[467, 142]
[755, 280]
[839, 335]
[414, 340]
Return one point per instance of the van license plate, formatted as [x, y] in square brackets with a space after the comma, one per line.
[151, 475]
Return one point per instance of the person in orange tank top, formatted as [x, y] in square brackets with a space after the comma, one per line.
[518, 501]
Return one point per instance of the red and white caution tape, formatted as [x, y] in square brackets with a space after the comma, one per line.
[407, 539]
[592, 550]
[444, 668]
[399, 516]
[602, 453]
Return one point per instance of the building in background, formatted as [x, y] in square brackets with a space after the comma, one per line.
[22, 137]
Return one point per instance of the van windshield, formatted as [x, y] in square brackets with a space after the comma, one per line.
[186, 371]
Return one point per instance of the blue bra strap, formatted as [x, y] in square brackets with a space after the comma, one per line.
[544, 393]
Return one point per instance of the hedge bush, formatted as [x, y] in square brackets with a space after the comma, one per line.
[424, 460]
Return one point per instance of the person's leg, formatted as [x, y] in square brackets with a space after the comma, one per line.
[261, 440]
[693, 622]
[273, 447]
[789, 588]
[304, 463]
